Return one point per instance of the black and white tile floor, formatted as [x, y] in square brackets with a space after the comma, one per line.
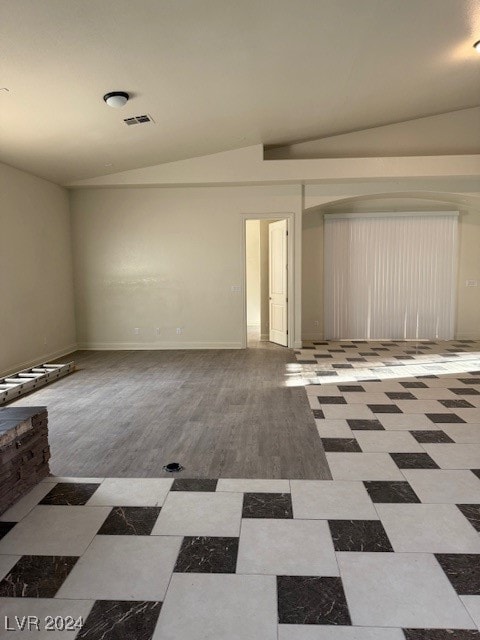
[387, 550]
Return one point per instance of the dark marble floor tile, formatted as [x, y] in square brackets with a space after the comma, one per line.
[472, 513]
[342, 366]
[326, 373]
[331, 400]
[185, 484]
[456, 404]
[320, 343]
[308, 347]
[359, 535]
[468, 381]
[307, 361]
[207, 555]
[341, 444]
[463, 571]
[318, 414]
[121, 620]
[405, 357]
[365, 425]
[465, 391]
[414, 461]
[130, 521]
[441, 634]
[476, 472]
[431, 436]
[414, 385]
[349, 346]
[384, 408]
[368, 353]
[336, 350]
[267, 505]
[381, 349]
[426, 377]
[390, 491]
[400, 395]
[323, 355]
[5, 527]
[443, 418]
[355, 359]
[36, 576]
[350, 387]
[311, 600]
[70, 493]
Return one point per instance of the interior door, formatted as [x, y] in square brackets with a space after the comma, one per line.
[278, 300]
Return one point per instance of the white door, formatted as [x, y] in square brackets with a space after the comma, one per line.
[277, 252]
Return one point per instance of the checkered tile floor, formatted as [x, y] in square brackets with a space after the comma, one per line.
[387, 550]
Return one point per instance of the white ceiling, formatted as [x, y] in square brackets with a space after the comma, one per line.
[220, 74]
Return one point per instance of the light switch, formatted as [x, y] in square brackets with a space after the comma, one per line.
[471, 283]
[236, 288]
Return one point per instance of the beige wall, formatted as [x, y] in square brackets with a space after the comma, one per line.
[167, 258]
[252, 255]
[468, 298]
[36, 289]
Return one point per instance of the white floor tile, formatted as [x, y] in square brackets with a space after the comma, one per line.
[429, 528]
[131, 492]
[200, 514]
[444, 486]
[334, 429]
[407, 422]
[472, 416]
[21, 508]
[454, 456]
[252, 485]
[387, 441]
[463, 433]
[201, 606]
[6, 563]
[344, 411]
[407, 590]
[331, 500]
[286, 547]
[363, 466]
[123, 568]
[54, 531]
[41, 608]
[328, 632]
[420, 406]
[366, 398]
[435, 393]
[472, 603]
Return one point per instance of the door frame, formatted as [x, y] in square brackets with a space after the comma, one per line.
[274, 217]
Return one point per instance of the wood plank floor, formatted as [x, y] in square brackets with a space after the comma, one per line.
[218, 413]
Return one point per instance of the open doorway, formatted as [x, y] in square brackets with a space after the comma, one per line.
[266, 282]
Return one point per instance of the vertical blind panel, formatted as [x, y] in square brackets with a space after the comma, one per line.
[391, 277]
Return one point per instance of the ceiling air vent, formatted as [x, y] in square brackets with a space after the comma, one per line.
[138, 119]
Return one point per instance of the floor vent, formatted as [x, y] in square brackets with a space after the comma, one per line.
[138, 119]
[28, 380]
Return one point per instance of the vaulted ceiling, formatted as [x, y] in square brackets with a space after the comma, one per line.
[220, 74]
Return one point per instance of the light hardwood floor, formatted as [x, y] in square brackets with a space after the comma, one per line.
[218, 413]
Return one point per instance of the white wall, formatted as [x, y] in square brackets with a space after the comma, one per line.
[166, 258]
[36, 287]
[468, 299]
[252, 256]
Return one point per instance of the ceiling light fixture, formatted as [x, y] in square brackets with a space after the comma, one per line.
[476, 46]
[116, 99]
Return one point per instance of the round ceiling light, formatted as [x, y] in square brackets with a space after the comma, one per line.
[116, 99]
[476, 46]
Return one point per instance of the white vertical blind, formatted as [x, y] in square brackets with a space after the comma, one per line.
[390, 275]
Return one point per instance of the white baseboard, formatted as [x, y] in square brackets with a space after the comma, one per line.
[467, 336]
[155, 346]
[40, 359]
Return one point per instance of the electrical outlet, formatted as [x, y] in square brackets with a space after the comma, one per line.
[157, 331]
[45, 341]
[471, 283]
[236, 288]
[179, 330]
[136, 331]
[316, 323]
